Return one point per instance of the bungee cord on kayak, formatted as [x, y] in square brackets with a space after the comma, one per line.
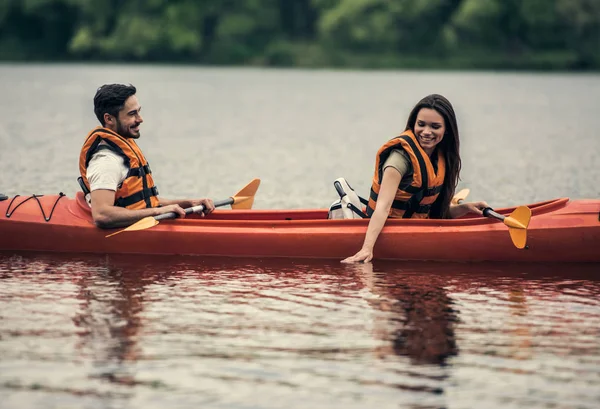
[9, 211]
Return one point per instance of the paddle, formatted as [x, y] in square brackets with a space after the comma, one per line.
[460, 196]
[517, 223]
[241, 200]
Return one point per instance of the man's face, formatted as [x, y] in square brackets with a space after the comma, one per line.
[127, 124]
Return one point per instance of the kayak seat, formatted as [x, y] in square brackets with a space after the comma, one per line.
[82, 203]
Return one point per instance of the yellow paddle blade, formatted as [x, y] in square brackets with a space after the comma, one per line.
[142, 224]
[518, 237]
[460, 196]
[517, 223]
[519, 218]
[244, 199]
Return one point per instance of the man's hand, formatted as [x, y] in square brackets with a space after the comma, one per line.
[107, 216]
[171, 208]
[208, 204]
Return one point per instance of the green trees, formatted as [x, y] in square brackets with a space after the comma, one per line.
[545, 34]
[36, 29]
[582, 17]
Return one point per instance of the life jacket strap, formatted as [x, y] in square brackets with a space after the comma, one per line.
[357, 210]
[139, 172]
[136, 197]
[410, 207]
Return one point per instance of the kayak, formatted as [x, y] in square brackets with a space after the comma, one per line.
[559, 230]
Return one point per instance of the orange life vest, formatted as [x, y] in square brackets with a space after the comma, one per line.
[415, 193]
[137, 191]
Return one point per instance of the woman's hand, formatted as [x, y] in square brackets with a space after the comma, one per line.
[389, 186]
[363, 256]
[467, 207]
[475, 207]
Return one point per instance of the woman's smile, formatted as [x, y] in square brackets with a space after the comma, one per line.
[429, 129]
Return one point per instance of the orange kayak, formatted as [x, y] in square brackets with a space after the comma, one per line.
[559, 230]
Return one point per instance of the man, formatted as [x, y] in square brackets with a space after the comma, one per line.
[114, 170]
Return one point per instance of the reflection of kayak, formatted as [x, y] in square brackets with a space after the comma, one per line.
[560, 230]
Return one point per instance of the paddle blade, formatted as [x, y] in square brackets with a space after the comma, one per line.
[244, 199]
[142, 224]
[517, 223]
[519, 218]
[518, 237]
[460, 196]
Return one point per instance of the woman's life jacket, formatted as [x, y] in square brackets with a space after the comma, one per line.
[417, 192]
[137, 191]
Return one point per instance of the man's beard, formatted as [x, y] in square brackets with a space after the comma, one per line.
[125, 132]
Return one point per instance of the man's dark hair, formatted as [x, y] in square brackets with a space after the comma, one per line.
[110, 99]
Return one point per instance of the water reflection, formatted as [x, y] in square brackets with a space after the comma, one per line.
[521, 333]
[228, 332]
[421, 315]
[109, 319]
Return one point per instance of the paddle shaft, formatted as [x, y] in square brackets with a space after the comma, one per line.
[489, 212]
[193, 209]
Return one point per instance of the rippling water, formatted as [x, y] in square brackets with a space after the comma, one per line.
[208, 131]
[151, 332]
[95, 332]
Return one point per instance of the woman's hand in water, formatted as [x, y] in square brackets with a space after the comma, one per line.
[363, 256]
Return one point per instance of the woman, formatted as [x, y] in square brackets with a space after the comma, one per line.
[417, 172]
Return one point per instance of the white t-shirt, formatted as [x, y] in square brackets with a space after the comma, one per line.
[106, 170]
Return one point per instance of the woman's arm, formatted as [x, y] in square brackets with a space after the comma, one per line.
[387, 192]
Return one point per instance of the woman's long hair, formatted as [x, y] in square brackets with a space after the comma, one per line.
[450, 145]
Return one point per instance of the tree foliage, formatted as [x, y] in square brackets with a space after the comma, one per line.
[471, 33]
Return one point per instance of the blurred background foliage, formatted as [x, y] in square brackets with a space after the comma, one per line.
[496, 34]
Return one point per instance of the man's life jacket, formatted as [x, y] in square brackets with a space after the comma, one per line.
[416, 193]
[137, 191]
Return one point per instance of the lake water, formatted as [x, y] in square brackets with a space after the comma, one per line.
[148, 332]
[122, 332]
[207, 132]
